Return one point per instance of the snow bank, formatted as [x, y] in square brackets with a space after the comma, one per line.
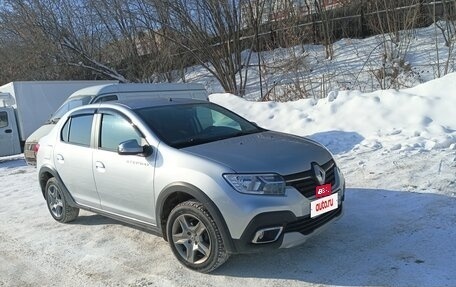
[414, 119]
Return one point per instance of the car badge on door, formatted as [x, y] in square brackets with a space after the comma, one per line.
[319, 173]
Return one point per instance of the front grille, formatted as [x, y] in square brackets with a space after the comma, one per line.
[307, 225]
[305, 182]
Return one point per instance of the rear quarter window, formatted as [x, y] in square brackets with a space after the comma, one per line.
[77, 130]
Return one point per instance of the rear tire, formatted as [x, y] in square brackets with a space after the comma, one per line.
[57, 204]
[195, 238]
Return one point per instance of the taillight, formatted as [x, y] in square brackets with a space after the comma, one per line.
[35, 148]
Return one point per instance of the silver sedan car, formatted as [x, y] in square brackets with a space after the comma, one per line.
[205, 179]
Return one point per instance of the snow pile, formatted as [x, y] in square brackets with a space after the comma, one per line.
[415, 119]
[398, 228]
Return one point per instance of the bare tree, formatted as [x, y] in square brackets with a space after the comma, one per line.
[394, 21]
[27, 54]
[254, 13]
[326, 26]
[447, 27]
[287, 75]
[210, 32]
[71, 27]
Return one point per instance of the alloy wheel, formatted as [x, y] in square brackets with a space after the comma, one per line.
[191, 239]
[55, 201]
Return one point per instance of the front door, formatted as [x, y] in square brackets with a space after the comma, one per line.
[124, 182]
[9, 136]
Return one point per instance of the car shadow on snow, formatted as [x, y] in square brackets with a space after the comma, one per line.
[92, 219]
[385, 238]
[338, 142]
[95, 219]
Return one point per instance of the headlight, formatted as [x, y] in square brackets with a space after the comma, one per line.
[269, 184]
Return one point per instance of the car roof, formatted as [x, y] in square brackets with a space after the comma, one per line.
[136, 87]
[147, 102]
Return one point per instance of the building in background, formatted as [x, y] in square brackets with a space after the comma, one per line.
[276, 10]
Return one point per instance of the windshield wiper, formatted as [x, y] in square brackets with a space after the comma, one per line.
[243, 133]
[192, 142]
[202, 140]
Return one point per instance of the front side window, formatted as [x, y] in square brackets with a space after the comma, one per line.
[3, 119]
[192, 124]
[115, 130]
[77, 130]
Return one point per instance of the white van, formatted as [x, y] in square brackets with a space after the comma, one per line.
[26, 105]
[111, 92]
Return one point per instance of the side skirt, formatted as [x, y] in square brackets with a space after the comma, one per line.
[144, 226]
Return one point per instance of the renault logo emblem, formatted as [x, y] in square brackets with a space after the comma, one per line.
[319, 173]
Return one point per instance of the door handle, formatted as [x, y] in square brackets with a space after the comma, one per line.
[59, 158]
[99, 166]
[8, 131]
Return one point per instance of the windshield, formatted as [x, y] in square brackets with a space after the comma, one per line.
[68, 105]
[192, 124]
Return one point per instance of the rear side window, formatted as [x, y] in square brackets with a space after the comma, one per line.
[106, 99]
[77, 130]
[3, 119]
[115, 130]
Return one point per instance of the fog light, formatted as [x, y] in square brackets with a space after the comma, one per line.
[267, 235]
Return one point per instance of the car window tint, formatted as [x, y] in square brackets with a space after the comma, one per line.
[192, 124]
[211, 118]
[115, 130]
[3, 119]
[65, 131]
[80, 130]
[106, 99]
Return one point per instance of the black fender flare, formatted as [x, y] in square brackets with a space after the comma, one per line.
[200, 196]
[48, 169]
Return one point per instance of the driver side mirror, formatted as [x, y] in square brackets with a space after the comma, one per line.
[131, 147]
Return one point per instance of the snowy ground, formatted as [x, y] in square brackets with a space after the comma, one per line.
[396, 148]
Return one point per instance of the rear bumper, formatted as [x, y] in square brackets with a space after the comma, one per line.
[29, 153]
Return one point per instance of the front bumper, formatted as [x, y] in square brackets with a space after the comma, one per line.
[289, 214]
[296, 230]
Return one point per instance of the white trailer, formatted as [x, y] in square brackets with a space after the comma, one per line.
[25, 106]
[111, 92]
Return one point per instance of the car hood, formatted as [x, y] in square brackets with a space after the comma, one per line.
[264, 152]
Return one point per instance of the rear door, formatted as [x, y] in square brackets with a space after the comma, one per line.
[124, 182]
[9, 136]
[73, 154]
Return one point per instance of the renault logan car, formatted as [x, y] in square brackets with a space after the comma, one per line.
[207, 180]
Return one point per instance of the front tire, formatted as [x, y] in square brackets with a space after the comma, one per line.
[195, 238]
[57, 204]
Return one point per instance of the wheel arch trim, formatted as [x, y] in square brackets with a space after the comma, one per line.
[50, 170]
[199, 195]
